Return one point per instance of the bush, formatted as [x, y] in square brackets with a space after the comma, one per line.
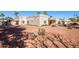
[41, 31]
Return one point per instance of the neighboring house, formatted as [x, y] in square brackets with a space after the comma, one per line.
[1, 21]
[67, 21]
[13, 22]
[60, 21]
[51, 21]
[7, 21]
[38, 20]
[56, 21]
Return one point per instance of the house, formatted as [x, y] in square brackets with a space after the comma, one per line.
[39, 20]
[1, 22]
[7, 21]
[51, 21]
[56, 21]
[67, 21]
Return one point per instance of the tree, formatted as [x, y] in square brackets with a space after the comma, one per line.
[75, 18]
[2, 15]
[50, 16]
[45, 12]
[9, 18]
[38, 12]
[16, 13]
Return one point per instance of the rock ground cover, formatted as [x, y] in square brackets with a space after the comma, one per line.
[29, 37]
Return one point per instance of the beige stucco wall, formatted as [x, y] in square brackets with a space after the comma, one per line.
[13, 22]
[42, 19]
[22, 20]
[0, 23]
[33, 20]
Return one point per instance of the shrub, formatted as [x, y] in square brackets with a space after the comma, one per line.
[41, 31]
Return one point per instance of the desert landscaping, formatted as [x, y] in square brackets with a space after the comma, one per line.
[27, 36]
[40, 30]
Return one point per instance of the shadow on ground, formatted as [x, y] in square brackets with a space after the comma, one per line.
[11, 37]
[16, 37]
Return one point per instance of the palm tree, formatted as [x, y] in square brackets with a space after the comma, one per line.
[16, 13]
[38, 12]
[72, 19]
[75, 18]
[45, 12]
[9, 18]
[50, 16]
[2, 15]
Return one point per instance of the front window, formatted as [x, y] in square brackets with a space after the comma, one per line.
[31, 20]
[27, 22]
[45, 22]
[23, 22]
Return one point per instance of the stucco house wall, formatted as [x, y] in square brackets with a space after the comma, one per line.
[22, 20]
[43, 19]
[0, 23]
[13, 22]
[33, 20]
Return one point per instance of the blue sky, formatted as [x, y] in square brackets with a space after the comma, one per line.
[55, 14]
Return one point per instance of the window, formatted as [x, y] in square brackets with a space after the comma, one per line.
[27, 22]
[59, 22]
[23, 22]
[31, 20]
[44, 21]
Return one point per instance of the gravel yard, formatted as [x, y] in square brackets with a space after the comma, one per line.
[25, 37]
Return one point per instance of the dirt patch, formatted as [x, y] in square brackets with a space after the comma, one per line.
[28, 37]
